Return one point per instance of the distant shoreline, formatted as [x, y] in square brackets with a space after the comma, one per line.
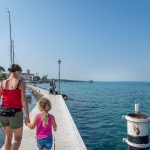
[61, 80]
[67, 80]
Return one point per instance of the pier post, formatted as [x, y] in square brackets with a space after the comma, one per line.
[137, 129]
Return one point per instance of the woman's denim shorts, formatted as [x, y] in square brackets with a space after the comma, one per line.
[45, 143]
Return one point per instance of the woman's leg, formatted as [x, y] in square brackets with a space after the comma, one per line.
[17, 138]
[8, 138]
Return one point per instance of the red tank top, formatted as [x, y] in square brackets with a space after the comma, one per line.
[11, 98]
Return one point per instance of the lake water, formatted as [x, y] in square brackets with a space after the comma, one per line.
[97, 110]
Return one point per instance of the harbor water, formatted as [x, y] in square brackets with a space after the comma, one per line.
[97, 110]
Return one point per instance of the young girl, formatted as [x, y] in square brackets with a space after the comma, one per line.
[44, 122]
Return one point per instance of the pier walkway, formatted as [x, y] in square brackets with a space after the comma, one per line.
[67, 136]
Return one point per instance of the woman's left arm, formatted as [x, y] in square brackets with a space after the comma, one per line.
[24, 101]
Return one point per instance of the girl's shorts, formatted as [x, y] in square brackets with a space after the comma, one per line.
[14, 122]
[45, 143]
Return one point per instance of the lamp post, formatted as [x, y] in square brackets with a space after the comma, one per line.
[59, 61]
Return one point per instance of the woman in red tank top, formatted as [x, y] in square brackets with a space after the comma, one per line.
[12, 93]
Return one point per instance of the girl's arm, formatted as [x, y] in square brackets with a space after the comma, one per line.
[54, 123]
[24, 101]
[32, 125]
[0, 91]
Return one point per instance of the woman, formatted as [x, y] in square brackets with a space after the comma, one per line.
[13, 97]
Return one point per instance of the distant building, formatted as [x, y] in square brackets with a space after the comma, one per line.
[27, 76]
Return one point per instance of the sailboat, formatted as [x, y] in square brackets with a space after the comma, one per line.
[12, 60]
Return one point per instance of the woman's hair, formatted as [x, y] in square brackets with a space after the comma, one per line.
[14, 68]
[44, 105]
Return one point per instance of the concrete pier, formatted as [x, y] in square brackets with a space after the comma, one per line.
[67, 136]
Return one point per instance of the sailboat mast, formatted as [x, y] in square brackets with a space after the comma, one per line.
[13, 52]
[11, 55]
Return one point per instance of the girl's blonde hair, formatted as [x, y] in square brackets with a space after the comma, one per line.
[45, 105]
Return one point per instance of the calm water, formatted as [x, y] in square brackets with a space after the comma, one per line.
[97, 110]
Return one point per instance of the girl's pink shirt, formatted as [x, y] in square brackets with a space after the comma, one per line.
[43, 131]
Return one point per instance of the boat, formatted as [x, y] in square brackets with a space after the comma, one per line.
[28, 91]
[90, 81]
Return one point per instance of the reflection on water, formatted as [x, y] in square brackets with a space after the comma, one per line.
[29, 96]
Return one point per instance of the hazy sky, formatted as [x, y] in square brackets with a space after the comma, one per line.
[102, 40]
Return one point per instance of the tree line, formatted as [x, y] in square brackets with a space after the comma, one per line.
[3, 74]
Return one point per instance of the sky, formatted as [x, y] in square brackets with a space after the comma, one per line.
[100, 40]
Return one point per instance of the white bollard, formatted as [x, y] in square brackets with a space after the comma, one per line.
[137, 108]
[137, 129]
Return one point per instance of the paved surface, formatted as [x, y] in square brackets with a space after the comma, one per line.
[66, 137]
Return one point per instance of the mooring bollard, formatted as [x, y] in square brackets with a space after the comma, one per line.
[137, 129]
